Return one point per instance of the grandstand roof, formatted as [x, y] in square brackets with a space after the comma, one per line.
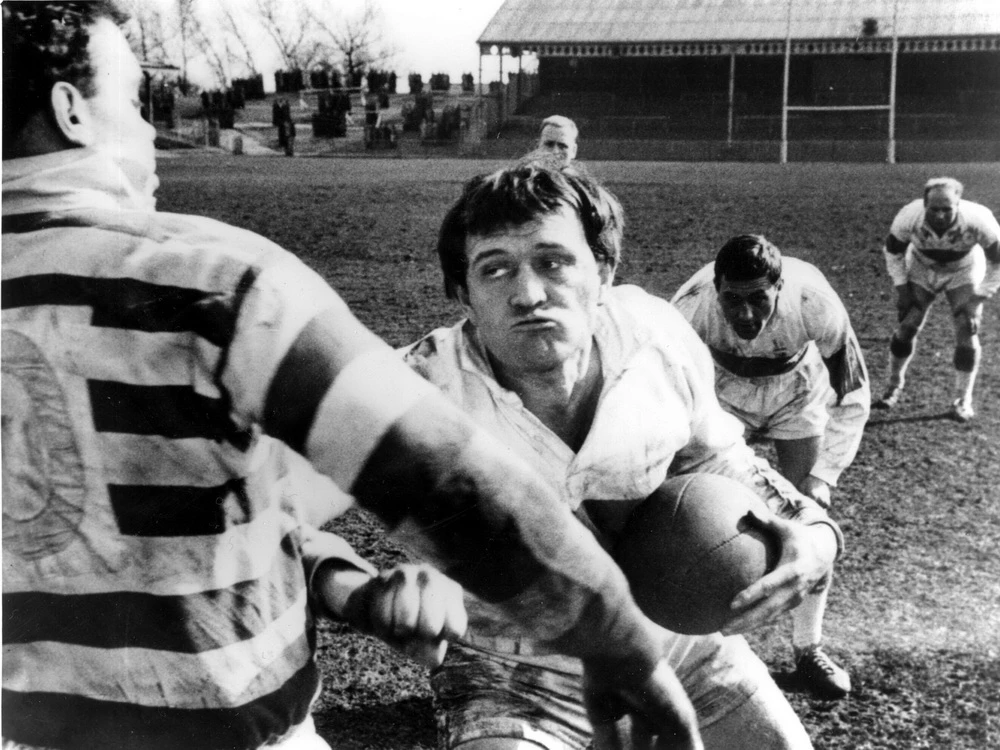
[532, 22]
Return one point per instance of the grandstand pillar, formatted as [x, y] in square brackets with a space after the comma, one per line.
[732, 94]
[891, 146]
[503, 112]
[784, 88]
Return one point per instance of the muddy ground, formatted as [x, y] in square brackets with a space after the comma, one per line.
[915, 611]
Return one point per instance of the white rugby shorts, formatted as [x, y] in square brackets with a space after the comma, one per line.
[944, 277]
[780, 407]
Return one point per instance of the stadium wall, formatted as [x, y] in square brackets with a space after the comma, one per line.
[678, 108]
[834, 150]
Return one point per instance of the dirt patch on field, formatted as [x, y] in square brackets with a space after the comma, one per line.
[915, 610]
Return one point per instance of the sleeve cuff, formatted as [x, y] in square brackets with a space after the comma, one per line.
[319, 547]
[813, 515]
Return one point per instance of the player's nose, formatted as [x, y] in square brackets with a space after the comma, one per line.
[528, 291]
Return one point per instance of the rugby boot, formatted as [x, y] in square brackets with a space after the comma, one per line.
[961, 410]
[889, 398]
[820, 674]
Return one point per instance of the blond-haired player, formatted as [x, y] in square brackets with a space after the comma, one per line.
[941, 243]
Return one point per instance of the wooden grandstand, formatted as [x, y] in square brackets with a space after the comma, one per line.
[750, 76]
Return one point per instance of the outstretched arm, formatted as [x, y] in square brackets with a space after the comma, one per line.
[342, 397]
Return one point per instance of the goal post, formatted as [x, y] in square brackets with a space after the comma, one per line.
[890, 108]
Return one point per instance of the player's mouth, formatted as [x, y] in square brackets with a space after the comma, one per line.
[747, 332]
[534, 324]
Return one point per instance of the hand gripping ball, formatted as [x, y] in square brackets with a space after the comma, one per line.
[689, 549]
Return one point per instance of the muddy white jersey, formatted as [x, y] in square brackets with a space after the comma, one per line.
[975, 232]
[807, 310]
[974, 225]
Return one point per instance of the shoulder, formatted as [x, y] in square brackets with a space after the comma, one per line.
[215, 236]
[701, 283]
[435, 356]
[978, 215]
[913, 208]
[809, 283]
[803, 273]
[653, 319]
[208, 254]
[910, 214]
[641, 305]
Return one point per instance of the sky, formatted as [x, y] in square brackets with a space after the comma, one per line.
[428, 36]
[439, 36]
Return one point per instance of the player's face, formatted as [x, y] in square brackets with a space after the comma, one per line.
[114, 108]
[748, 305]
[558, 141]
[940, 209]
[533, 292]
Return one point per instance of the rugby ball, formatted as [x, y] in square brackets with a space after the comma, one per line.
[689, 549]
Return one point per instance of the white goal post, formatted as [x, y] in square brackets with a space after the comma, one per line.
[890, 155]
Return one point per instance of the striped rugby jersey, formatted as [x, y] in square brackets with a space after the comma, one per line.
[145, 549]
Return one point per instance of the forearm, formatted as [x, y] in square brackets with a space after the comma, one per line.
[991, 282]
[843, 435]
[740, 463]
[895, 265]
[457, 499]
[848, 413]
[344, 400]
[460, 501]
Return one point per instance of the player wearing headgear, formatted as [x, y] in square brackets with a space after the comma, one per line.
[607, 392]
[788, 366]
[942, 243]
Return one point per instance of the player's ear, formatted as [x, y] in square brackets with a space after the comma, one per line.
[71, 114]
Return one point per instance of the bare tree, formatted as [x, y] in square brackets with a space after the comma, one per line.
[358, 39]
[232, 27]
[216, 50]
[147, 30]
[187, 23]
[291, 33]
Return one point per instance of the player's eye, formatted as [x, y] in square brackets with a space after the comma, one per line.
[493, 271]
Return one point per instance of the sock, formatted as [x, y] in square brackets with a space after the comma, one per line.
[966, 367]
[807, 620]
[900, 354]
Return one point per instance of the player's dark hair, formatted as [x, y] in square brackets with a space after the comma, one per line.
[44, 43]
[513, 196]
[748, 257]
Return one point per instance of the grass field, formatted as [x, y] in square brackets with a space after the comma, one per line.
[915, 609]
